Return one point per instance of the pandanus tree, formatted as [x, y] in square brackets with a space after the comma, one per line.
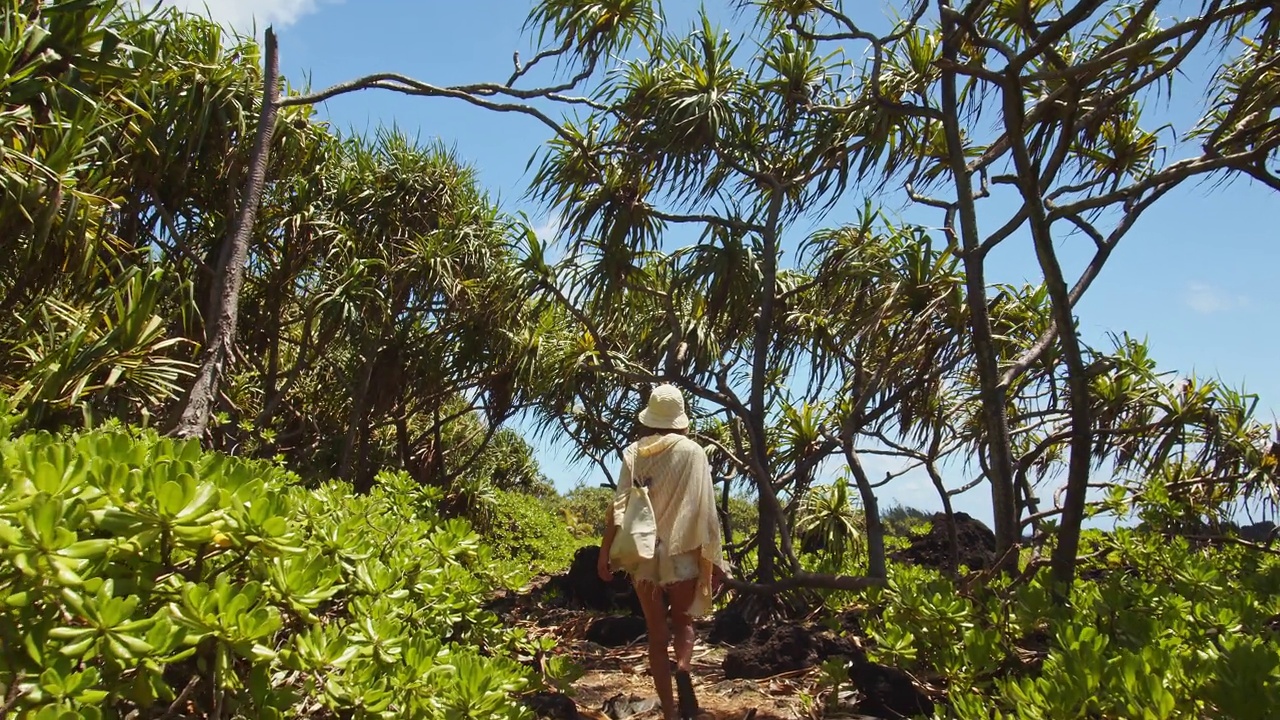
[733, 152]
[690, 181]
[411, 302]
[377, 315]
[741, 141]
[105, 110]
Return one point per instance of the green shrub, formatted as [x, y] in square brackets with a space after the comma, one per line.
[139, 572]
[744, 516]
[586, 510]
[903, 521]
[527, 531]
[1165, 631]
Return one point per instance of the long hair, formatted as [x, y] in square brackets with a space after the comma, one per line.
[643, 431]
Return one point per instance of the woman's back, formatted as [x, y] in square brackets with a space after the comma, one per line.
[687, 554]
[675, 470]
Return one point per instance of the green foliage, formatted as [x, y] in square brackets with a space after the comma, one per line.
[744, 515]
[585, 510]
[1160, 630]
[84, 327]
[139, 570]
[874, 330]
[528, 532]
[828, 520]
[381, 286]
[903, 521]
[509, 462]
[110, 353]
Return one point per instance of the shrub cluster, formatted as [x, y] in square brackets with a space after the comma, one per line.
[527, 531]
[141, 574]
[1156, 629]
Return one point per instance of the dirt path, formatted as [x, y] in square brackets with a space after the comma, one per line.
[768, 671]
[616, 684]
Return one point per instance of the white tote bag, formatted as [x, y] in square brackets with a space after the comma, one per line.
[638, 535]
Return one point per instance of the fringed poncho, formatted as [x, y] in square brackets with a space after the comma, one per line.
[684, 506]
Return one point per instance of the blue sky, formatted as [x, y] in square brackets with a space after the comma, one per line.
[1196, 276]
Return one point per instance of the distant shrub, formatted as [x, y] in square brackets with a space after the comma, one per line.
[744, 516]
[529, 532]
[1156, 629]
[903, 521]
[586, 510]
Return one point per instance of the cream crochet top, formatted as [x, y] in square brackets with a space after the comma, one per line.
[684, 505]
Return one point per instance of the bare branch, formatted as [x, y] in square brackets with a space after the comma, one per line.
[735, 224]
[734, 460]
[521, 70]
[1055, 32]
[947, 205]
[1121, 53]
[853, 32]
[408, 86]
[596, 459]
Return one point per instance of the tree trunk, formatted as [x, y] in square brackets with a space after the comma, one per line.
[952, 534]
[774, 533]
[403, 447]
[1029, 501]
[876, 567]
[766, 539]
[364, 473]
[992, 394]
[192, 417]
[726, 524]
[357, 416]
[1063, 564]
[767, 499]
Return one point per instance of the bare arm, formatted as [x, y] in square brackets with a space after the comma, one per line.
[610, 531]
[611, 522]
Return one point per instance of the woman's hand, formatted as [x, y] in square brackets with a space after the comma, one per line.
[602, 567]
[718, 576]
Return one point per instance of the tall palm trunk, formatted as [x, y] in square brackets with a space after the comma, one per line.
[991, 392]
[192, 417]
[349, 467]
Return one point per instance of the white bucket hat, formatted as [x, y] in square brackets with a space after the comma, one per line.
[665, 410]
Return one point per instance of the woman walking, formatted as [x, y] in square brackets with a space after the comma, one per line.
[688, 563]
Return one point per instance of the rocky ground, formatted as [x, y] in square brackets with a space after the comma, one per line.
[748, 665]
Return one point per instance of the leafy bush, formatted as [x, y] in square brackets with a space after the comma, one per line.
[527, 531]
[828, 524]
[903, 521]
[744, 515]
[1158, 630]
[586, 510]
[141, 574]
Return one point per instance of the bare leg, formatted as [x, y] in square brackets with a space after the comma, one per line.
[681, 595]
[655, 620]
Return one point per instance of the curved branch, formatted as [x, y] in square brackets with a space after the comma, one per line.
[408, 86]
[521, 70]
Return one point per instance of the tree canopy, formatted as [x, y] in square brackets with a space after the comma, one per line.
[393, 316]
[746, 137]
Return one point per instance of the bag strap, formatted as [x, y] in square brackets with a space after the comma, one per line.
[637, 479]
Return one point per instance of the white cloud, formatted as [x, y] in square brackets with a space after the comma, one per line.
[548, 229]
[1208, 300]
[242, 14]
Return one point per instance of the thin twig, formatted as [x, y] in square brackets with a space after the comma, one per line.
[182, 697]
[12, 697]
